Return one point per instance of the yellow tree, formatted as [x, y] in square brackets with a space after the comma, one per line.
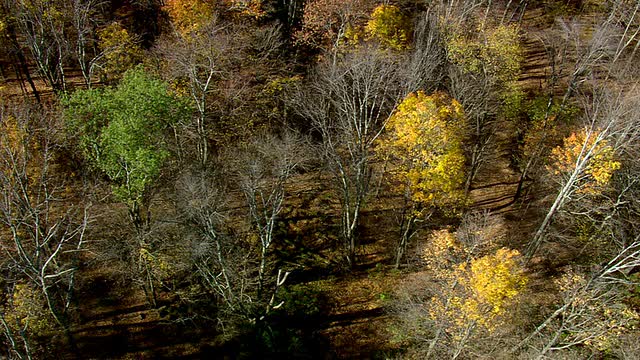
[465, 295]
[390, 26]
[120, 51]
[583, 165]
[188, 16]
[475, 297]
[424, 140]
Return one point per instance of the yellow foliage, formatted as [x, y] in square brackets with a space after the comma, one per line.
[188, 16]
[495, 279]
[121, 51]
[479, 292]
[496, 52]
[28, 311]
[21, 150]
[424, 140]
[248, 8]
[600, 166]
[441, 251]
[389, 26]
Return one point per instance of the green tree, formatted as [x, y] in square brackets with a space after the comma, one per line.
[424, 140]
[120, 131]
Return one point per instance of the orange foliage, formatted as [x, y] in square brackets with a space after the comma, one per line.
[599, 157]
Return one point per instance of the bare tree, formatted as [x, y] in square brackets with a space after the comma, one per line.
[426, 65]
[592, 307]
[263, 170]
[42, 25]
[15, 49]
[203, 59]
[348, 103]
[480, 102]
[44, 231]
[227, 259]
[85, 20]
[219, 259]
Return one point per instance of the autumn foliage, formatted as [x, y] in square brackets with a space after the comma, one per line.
[424, 139]
[189, 16]
[601, 162]
[389, 26]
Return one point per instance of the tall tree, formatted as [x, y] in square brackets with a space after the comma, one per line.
[85, 19]
[43, 223]
[121, 132]
[423, 143]
[198, 63]
[348, 102]
[42, 24]
[263, 171]
[587, 159]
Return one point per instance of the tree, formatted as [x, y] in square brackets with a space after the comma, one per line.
[593, 309]
[189, 16]
[85, 15]
[348, 102]
[119, 52]
[234, 258]
[483, 78]
[121, 132]
[326, 22]
[43, 228]
[42, 24]
[248, 8]
[476, 297]
[9, 32]
[427, 61]
[423, 141]
[389, 26]
[462, 299]
[197, 63]
[263, 169]
[586, 160]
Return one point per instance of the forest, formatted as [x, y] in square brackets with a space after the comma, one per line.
[319, 179]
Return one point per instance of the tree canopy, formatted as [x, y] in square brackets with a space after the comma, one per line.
[121, 130]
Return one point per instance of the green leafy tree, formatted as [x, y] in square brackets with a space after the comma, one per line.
[120, 131]
[424, 140]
